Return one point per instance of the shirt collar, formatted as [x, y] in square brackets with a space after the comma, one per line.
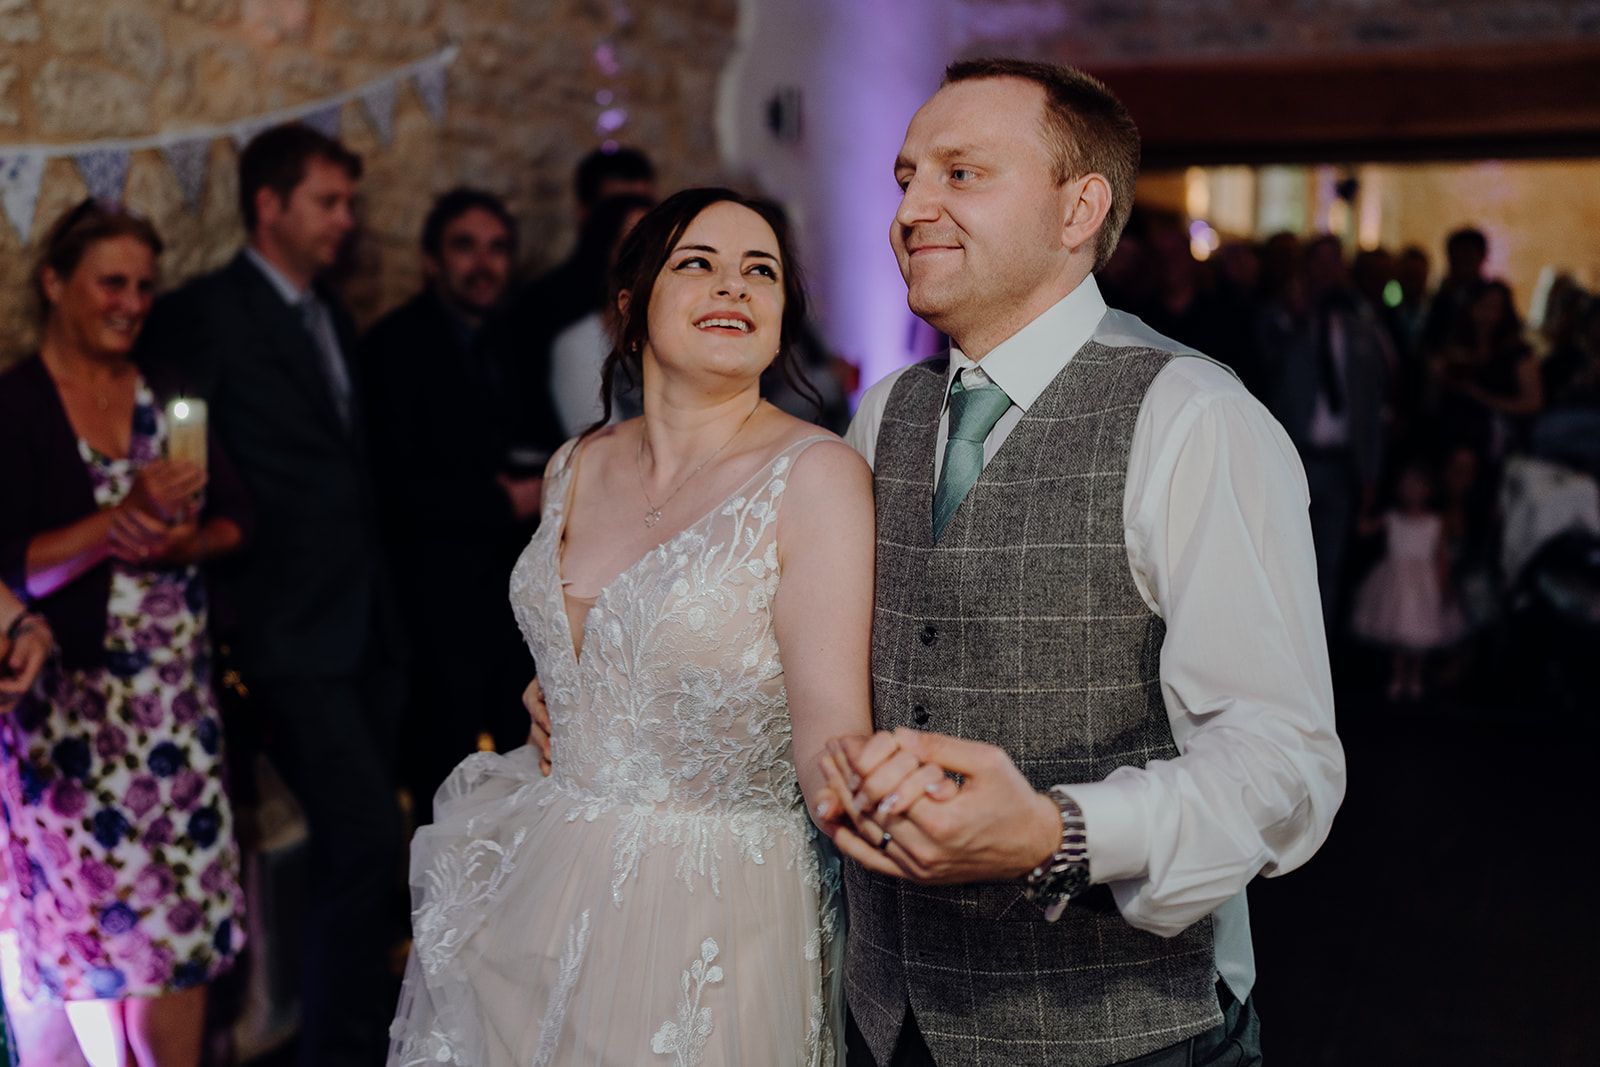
[291, 295]
[1027, 361]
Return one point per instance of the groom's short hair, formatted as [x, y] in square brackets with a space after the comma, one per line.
[1086, 127]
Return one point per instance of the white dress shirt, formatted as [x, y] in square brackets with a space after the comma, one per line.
[1219, 545]
[577, 360]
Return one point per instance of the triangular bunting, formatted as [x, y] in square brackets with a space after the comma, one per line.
[104, 172]
[244, 132]
[189, 160]
[430, 87]
[378, 100]
[325, 120]
[20, 176]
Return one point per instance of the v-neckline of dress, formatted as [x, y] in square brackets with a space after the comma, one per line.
[559, 541]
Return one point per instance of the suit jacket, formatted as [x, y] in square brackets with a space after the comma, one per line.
[312, 592]
[439, 418]
[534, 315]
[1289, 352]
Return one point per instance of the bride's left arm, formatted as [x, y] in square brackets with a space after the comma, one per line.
[823, 610]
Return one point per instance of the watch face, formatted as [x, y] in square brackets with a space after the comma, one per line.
[1074, 880]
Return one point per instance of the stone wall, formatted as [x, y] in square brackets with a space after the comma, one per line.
[522, 107]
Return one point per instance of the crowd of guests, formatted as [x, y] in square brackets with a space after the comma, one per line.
[1406, 403]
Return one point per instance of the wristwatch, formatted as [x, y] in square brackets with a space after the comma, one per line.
[1066, 873]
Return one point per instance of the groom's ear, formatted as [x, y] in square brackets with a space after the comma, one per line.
[1085, 204]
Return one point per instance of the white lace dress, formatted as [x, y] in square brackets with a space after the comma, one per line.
[661, 897]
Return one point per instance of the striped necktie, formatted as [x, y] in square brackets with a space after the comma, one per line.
[973, 414]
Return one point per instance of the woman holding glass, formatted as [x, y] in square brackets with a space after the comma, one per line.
[119, 863]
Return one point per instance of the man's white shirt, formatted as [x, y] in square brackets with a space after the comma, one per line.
[1219, 545]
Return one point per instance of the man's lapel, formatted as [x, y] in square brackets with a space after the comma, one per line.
[286, 336]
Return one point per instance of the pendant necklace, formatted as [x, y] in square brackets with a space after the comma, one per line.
[653, 515]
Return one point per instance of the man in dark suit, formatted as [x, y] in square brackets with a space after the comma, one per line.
[539, 310]
[439, 419]
[1328, 381]
[316, 642]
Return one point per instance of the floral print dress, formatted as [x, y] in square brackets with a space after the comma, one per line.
[120, 862]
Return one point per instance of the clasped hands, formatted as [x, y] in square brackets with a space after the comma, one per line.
[893, 807]
[157, 522]
[891, 804]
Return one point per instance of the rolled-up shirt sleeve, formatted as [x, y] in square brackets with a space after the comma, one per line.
[1219, 542]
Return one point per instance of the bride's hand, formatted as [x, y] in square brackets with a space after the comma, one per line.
[539, 733]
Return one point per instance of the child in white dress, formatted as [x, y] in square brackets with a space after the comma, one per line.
[1405, 603]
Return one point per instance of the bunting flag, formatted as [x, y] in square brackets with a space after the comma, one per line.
[325, 120]
[20, 176]
[430, 88]
[104, 164]
[189, 161]
[104, 171]
[378, 102]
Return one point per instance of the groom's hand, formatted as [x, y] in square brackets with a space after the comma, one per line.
[995, 827]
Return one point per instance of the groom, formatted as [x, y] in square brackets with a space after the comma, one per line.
[1096, 610]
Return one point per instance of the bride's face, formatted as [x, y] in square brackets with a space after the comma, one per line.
[717, 306]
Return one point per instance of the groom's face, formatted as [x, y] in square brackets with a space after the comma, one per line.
[979, 225]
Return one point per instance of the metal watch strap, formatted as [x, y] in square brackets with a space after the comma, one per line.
[1066, 873]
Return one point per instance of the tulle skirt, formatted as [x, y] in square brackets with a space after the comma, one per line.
[555, 926]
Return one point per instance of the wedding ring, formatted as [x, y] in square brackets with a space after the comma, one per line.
[883, 845]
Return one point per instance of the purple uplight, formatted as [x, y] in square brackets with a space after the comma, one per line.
[611, 120]
[605, 57]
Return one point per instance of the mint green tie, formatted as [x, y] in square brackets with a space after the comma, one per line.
[973, 414]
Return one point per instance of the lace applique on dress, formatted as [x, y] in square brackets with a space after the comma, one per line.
[684, 1037]
[459, 884]
[556, 1010]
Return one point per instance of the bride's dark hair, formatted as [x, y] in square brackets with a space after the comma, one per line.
[645, 251]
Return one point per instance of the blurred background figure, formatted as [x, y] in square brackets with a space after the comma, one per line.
[579, 327]
[1406, 602]
[572, 292]
[1466, 251]
[1325, 380]
[318, 642]
[122, 871]
[1486, 383]
[440, 424]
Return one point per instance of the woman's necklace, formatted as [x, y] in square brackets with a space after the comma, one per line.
[100, 394]
[653, 516]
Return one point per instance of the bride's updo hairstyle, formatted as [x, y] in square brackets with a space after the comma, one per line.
[645, 252]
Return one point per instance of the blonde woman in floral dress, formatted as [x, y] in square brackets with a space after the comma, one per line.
[120, 866]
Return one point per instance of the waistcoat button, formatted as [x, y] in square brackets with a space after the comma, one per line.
[930, 634]
[919, 714]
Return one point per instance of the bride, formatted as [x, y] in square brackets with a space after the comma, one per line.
[698, 598]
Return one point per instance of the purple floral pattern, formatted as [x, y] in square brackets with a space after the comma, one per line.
[116, 845]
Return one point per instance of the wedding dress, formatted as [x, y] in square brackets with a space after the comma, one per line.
[662, 896]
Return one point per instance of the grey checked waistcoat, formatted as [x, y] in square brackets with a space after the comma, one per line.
[1023, 628]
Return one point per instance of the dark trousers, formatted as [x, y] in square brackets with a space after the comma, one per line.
[1335, 499]
[1234, 1043]
[333, 742]
[467, 681]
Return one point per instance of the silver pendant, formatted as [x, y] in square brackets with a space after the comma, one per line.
[652, 516]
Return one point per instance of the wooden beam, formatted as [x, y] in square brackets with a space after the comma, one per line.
[1459, 105]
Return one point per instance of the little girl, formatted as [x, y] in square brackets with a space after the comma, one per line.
[1405, 602]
